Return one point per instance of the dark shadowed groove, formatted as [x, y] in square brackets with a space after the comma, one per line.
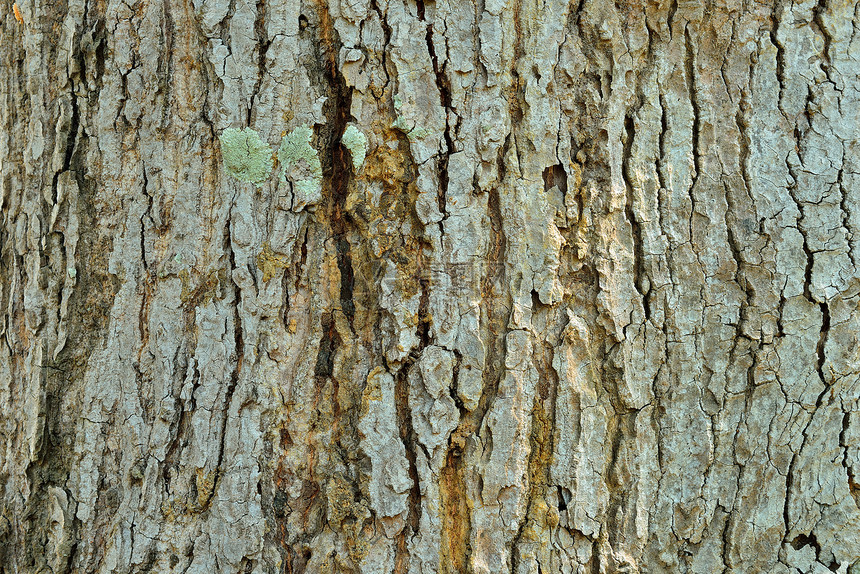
[409, 439]
[444, 88]
[336, 162]
[670, 20]
[692, 88]
[386, 31]
[635, 227]
[780, 50]
[72, 133]
[822, 343]
[661, 158]
[285, 298]
[818, 21]
[262, 48]
[326, 351]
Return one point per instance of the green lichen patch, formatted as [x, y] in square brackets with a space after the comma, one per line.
[401, 124]
[246, 156]
[418, 133]
[300, 162]
[412, 132]
[356, 142]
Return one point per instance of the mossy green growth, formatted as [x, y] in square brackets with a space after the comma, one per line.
[246, 156]
[300, 161]
[356, 142]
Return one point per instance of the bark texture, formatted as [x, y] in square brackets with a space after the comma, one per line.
[531, 287]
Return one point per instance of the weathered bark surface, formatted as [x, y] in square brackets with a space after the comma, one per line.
[589, 304]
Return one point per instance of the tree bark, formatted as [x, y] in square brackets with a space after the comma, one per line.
[523, 286]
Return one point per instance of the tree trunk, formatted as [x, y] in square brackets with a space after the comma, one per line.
[504, 286]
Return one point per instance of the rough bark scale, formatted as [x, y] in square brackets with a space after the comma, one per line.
[590, 303]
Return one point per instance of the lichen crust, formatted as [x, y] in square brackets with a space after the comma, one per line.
[300, 162]
[356, 142]
[246, 156]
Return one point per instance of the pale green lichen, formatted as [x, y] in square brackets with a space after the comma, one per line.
[300, 161]
[418, 133]
[246, 156]
[306, 187]
[400, 124]
[356, 142]
[413, 132]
